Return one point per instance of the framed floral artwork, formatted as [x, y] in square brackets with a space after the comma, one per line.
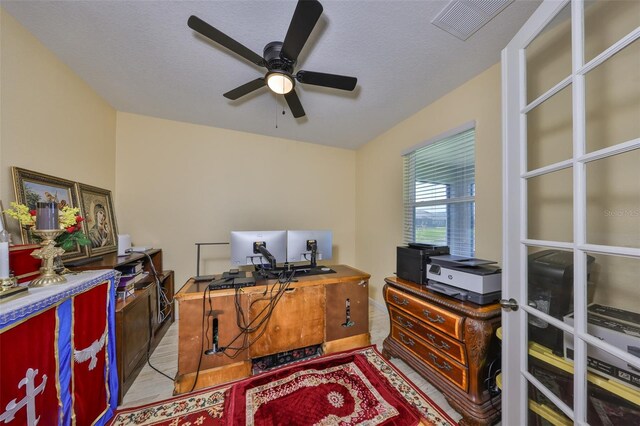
[100, 221]
[32, 187]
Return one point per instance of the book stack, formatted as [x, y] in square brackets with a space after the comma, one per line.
[132, 273]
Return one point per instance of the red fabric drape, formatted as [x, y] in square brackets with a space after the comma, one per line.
[30, 347]
[90, 348]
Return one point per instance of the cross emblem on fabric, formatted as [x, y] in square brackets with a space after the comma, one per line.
[29, 400]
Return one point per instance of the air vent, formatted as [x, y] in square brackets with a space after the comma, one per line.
[463, 18]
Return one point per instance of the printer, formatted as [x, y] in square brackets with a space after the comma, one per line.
[468, 279]
[412, 260]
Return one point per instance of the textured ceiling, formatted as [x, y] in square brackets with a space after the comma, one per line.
[142, 58]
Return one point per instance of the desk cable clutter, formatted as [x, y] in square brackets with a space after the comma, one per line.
[272, 295]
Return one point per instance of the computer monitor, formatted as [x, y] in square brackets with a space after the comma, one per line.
[300, 245]
[245, 247]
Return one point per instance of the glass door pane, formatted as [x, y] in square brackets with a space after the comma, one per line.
[549, 131]
[550, 206]
[606, 22]
[613, 99]
[550, 291]
[548, 56]
[613, 285]
[613, 200]
[542, 411]
[605, 407]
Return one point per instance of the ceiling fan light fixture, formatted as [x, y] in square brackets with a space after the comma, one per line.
[280, 82]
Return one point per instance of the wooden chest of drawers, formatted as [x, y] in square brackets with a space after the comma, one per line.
[449, 342]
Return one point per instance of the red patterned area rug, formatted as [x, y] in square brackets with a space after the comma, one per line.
[356, 387]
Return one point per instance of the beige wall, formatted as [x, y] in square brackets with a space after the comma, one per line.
[178, 184]
[50, 120]
[379, 175]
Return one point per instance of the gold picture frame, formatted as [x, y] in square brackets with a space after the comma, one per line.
[100, 220]
[31, 187]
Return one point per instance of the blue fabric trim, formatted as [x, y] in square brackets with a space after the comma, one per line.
[64, 356]
[8, 318]
[112, 379]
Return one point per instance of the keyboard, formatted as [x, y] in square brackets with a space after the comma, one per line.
[232, 283]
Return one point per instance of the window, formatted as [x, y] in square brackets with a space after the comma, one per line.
[439, 192]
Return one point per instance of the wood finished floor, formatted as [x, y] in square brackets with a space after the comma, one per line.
[151, 386]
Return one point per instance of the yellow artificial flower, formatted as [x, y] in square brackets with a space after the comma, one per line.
[21, 213]
[67, 216]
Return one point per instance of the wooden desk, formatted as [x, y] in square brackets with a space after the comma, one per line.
[312, 311]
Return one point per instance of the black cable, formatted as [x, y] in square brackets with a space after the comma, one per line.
[246, 329]
[492, 385]
[160, 319]
[282, 283]
[161, 296]
[149, 362]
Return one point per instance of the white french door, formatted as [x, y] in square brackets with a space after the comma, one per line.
[571, 212]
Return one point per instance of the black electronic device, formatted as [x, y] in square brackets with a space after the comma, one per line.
[268, 362]
[214, 338]
[200, 278]
[550, 290]
[224, 283]
[412, 260]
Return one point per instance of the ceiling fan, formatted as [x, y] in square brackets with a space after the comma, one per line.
[279, 58]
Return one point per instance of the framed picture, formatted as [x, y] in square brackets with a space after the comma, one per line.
[31, 187]
[99, 219]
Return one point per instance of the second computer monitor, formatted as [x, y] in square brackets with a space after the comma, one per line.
[243, 244]
[298, 249]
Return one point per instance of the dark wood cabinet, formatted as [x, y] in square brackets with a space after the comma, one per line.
[449, 342]
[133, 335]
[143, 318]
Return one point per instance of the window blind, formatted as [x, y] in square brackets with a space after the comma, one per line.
[439, 193]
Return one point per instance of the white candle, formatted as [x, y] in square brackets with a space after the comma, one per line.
[4, 260]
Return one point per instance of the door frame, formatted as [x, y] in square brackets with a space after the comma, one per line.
[514, 323]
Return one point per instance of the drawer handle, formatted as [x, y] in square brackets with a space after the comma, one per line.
[402, 302]
[404, 324]
[437, 319]
[443, 344]
[443, 366]
[406, 342]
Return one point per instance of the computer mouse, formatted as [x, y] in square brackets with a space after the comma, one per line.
[325, 269]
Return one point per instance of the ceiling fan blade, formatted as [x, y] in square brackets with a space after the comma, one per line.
[304, 19]
[294, 104]
[335, 81]
[224, 40]
[245, 89]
